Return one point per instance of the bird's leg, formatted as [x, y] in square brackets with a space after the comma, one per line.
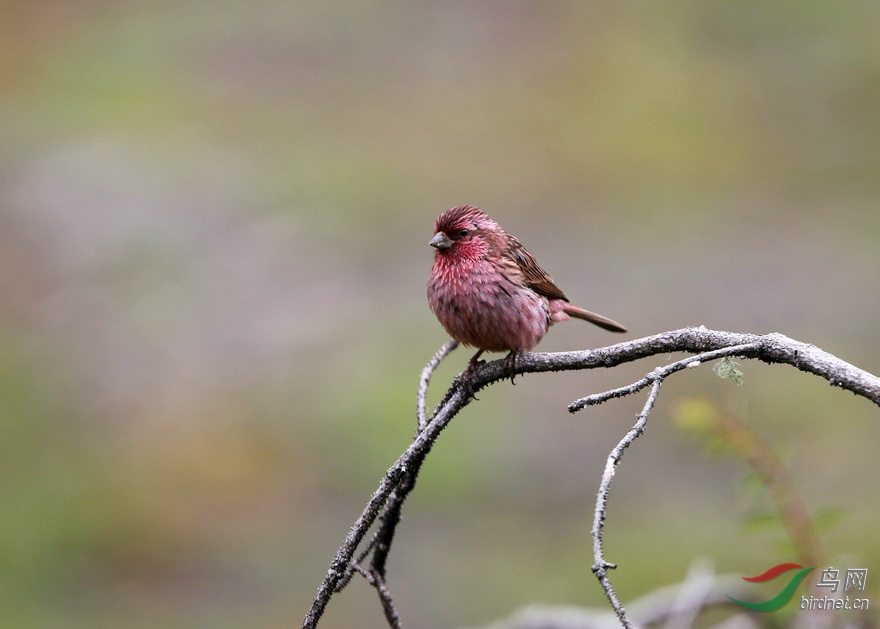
[470, 371]
[473, 363]
[510, 363]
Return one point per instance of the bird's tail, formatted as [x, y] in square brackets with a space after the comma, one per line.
[592, 317]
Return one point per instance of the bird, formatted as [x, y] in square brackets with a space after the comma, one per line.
[488, 291]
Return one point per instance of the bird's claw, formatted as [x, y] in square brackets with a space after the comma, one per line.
[467, 377]
[470, 371]
[469, 374]
[510, 364]
[467, 384]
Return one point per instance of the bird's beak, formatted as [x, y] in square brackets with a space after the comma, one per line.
[440, 241]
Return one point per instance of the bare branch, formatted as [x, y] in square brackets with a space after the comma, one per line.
[600, 566]
[408, 464]
[425, 379]
[390, 515]
[386, 502]
[391, 614]
[378, 582]
[769, 348]
[659, 374]
[655, 378]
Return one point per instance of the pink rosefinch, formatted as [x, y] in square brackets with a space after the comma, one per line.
[488, 292]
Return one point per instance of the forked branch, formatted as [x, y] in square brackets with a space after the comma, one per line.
[386, 502]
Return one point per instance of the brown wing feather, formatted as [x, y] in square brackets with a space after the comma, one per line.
[535, 277]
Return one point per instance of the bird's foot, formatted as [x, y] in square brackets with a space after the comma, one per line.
[510, 363]
[470, 372]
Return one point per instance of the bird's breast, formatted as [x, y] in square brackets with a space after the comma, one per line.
[479, 306]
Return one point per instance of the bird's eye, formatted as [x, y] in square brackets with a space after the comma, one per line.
[463, 232]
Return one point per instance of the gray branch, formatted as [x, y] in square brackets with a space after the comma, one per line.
[600, 565]
[386, 502]
[425, 379]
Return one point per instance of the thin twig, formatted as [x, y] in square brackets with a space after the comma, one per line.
[655, 378]
[425, 380]
[600, 565]
[391, 518]
[378, 582]
[391, 614]
[355, 565]
[659, 373]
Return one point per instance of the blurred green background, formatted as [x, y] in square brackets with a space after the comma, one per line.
[213, 247]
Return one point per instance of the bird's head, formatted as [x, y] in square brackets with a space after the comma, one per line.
[462, 229]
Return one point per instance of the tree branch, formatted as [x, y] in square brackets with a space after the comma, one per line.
[659, 374]
[425, 379]
[387, 501]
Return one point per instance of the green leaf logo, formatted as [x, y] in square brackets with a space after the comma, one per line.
[780, 600]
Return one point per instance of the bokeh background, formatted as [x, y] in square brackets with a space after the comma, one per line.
[213, 246]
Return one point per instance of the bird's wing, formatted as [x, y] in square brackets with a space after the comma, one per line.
[534, 276]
